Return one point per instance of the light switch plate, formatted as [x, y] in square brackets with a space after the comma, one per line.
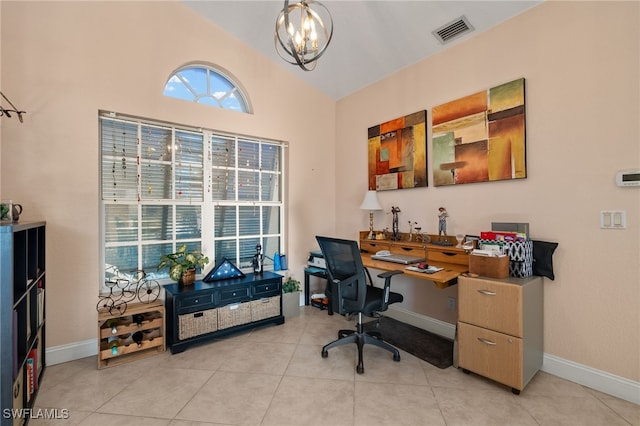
[613, 219]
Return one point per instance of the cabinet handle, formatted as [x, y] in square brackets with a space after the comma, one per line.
[487, 342]
[487, 292]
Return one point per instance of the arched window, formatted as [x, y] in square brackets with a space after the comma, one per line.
[206, 85]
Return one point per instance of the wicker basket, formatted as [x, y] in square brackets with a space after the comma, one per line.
[197, 323]
[265, 308]
[235, 314]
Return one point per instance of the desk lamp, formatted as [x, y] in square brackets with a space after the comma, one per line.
[371, 203]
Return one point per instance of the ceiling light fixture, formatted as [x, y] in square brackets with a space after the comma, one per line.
[301, 33]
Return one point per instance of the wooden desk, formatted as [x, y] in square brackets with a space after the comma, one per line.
[442, 279]
[455, 261]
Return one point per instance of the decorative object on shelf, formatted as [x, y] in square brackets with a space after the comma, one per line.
[301, 35]
[459, 238]
[396, 232]
[258, 260]
[182, 264]
[223, 270]
[443, 240]
[8, 112]
[411, 230]
[398, 153]
[371, 203]
[481, 137]
[442, 223]
[122, 292]
[10, 211]
[419, 236]
[468, 245]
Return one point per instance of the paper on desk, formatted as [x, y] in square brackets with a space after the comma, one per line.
[429, 270]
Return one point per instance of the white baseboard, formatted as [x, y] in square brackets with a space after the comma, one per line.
[424, 322]
[72, 351]
[601, 381]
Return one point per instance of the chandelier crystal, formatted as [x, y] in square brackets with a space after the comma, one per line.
[301, 35]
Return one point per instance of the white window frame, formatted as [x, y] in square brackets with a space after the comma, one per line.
[207, 238]
[208, 94]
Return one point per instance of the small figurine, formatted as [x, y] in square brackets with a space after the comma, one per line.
[442, 223]
[411, 230]
[258, 260]
[396, 231]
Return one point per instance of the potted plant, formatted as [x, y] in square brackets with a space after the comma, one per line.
[291, 297]
[182, 264]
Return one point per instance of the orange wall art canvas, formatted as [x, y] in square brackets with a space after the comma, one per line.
[481, 137]
[398, 153]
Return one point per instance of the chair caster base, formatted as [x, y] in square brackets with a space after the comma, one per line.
[325, 354]
[396, 358]
[360, 369]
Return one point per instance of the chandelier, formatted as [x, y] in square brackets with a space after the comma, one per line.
[301, 35]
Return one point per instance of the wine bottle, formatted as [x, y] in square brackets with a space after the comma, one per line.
[113, 325]
[137, 337]
[113, 343]
[138, 318]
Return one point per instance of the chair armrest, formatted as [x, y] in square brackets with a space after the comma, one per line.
[336, 298]
[387, 285]
[389, 274]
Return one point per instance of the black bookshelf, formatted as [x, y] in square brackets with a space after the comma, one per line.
[22, 304]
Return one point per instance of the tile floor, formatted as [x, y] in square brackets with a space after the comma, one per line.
[275, 375]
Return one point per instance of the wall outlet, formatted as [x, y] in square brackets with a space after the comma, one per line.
[451, 303]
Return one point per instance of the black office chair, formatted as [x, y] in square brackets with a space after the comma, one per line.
[349, 294]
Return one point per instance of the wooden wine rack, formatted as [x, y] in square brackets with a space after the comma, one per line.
[152, 328]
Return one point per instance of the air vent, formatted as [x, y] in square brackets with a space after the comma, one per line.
[452, 30]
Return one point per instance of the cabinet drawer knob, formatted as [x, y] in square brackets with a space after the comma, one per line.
[487, 292]
[487, 342]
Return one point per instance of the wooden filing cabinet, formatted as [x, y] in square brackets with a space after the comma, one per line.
[500, 333]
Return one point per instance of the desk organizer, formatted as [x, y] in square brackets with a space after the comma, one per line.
[520, 257]
[489, 266]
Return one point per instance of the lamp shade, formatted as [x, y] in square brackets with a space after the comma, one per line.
[370, 201]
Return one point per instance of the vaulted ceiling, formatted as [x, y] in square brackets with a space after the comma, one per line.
[371, 40]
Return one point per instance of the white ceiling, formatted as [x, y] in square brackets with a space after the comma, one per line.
[371, 39]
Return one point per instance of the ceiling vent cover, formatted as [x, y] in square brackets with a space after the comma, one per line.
[453, 30]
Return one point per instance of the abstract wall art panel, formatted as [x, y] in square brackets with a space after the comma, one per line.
[398, 153]
[481, 137]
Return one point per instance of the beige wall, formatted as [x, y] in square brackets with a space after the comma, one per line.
[65, 61]
[62, 62]
[581, 65]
